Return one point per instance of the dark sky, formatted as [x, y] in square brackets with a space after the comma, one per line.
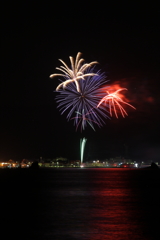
[124, 39]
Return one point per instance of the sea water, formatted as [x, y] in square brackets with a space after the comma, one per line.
[78, 204]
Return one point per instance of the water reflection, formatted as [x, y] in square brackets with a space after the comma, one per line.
[97, 204]
[114, 213]
[85, 204]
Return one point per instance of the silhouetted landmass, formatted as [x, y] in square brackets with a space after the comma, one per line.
[34, 165]
[154, 166]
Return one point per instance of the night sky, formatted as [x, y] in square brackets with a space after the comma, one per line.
[124, 39]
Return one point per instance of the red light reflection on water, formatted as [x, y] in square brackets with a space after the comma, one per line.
[114, 212]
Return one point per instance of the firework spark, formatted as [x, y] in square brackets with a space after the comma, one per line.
[114, 99]
[75, 73]
[84, 119]
[82, 146]
[82, 106]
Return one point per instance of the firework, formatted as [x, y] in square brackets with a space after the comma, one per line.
[84, 119]
[113, 100]
[82, 95]
[75, 73]
[82, 106]
[82, 146]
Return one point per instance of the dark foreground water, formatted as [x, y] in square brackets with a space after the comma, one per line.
[93, 204]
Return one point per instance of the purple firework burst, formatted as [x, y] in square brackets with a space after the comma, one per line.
[81, 106]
